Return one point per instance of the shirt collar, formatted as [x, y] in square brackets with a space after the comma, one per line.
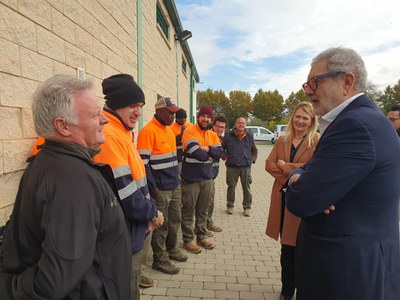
[329, 117]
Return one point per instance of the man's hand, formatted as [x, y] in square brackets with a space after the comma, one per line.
[205, 148]
[330, 209]
[159, 221]
[150, 226]
[294, 178]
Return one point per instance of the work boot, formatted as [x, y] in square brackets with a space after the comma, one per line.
[246, 212]
[145, 282]
[209, 233]
[177, 255]
[214, 228]
[166, 267]
[205, 244]
[229, 210]
[192, 247]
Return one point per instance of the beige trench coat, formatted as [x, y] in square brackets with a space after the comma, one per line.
[291, 223]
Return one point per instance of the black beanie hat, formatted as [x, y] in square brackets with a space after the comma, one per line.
[121, 90]
[181, 114]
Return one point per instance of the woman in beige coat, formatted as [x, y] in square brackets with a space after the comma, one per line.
[290, 152]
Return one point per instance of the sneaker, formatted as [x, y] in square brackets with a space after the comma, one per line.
[209, 233]
[214, 228]
[246, 212]
[229, 210]
[192, 247]
[166, 267]
[177, 255]
[205, 244]
[145, 282]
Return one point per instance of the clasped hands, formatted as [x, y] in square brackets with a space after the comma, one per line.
[156, 222]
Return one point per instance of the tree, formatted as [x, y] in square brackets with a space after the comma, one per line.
[373, 93]
[216, 99]
[293, 100]
[239, 106]
[389, 98]
[267, 105]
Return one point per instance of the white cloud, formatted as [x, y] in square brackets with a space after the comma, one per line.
[236, 32]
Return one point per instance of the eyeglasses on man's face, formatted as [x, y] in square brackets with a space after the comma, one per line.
[313, 82]
[393, 119]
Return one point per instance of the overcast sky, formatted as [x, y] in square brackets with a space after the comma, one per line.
[251, 44]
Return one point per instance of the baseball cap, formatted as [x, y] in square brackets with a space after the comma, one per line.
[167, 103]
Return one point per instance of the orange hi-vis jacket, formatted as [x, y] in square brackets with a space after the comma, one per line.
[36, 146]
[157, 147]
[178, 135]
[120, 153]
[178, 128]
[197, 164]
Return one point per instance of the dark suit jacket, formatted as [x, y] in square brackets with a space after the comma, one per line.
[352, 253]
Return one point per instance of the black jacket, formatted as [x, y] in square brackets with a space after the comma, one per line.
[67, 237]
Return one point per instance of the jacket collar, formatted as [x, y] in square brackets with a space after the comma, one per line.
[71, 149]
[117, 116]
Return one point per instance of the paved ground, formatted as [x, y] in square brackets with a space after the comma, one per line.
[245, 262]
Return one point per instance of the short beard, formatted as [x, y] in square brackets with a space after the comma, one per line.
[202, 127]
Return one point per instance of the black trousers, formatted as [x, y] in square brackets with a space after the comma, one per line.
[288, 275]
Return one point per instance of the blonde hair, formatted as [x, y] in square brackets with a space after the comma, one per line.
[312, 135]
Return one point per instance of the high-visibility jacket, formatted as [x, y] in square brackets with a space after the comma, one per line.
[197, 164]
[177, 128]
[157, 147]
[39, 142]
[120, 153]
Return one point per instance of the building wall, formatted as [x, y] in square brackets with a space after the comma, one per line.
[40, 38]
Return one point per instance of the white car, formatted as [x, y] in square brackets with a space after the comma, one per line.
[260, 133]
[279, 131]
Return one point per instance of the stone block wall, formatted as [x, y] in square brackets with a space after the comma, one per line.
[41, 38]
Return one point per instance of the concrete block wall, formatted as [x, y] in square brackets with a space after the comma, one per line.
[41, 38]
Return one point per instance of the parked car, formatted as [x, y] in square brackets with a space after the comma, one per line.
[280, 130]
[260, 133]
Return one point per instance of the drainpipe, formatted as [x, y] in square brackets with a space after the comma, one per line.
[140, 53]
[177, 71]
[191, 95]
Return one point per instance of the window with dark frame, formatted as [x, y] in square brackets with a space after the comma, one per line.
[184, 65]
[162, 22]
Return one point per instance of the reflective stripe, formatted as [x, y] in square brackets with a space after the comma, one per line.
[216, 164]
[145, 152]
[179, 147]
[194, 148]
[192, 141]
[167, 165]
[141, 182]
[121, 171]
[162, 156]
[217, 145]
[145, 161]
[195, 161]
[128, 190]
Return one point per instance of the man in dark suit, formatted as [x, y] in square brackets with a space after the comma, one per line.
[348, 193]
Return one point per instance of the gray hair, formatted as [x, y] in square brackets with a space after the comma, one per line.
[55, 98]
[345, 60]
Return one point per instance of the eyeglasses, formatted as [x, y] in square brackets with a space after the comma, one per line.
[220, 126]
[393, 119]
[313, 82]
